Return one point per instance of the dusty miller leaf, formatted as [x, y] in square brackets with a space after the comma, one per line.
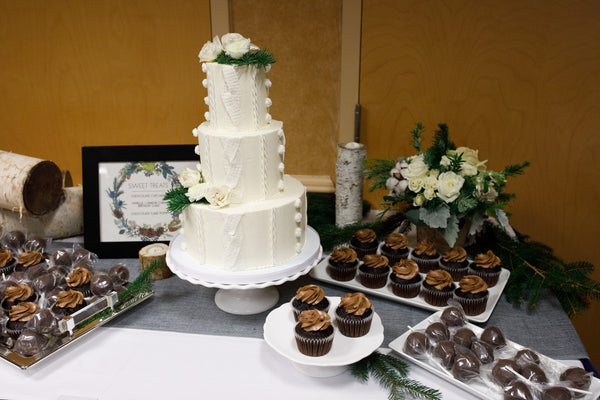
[437, 218]
[451, 231]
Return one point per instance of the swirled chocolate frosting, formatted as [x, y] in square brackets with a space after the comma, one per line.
[396, 241]
[311, 294]
[5, 257]
[487, 260]
[314, 320]
[343, 254]
[375, 261]
[23, 312]
[405, 269]
[455, 254]
[365, 235]
[79, 277]
[30, 258]
[19, 292]
[439, 279]
[355, 303]
[472, 284]
[69, 298]
[426, 247]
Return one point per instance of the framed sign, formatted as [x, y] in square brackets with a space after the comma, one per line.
[123, 190]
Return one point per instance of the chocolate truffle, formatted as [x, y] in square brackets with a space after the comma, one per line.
[445, 351]
[44, 322]
[36, 270]
[453, 316]
[35, 244]
[465, 367]
[44, 283]
[61, 257]
[577, 378]
[119, 274]
[525, 357]
[501, 373]
[556, 393]
[483, 351]
[101, 284]
[437, 332]
[29, 343]
[12, 240]
[82, 253]
[464, 337]
[493, 336]
[534, 373]
[517, 390]
[416, 345]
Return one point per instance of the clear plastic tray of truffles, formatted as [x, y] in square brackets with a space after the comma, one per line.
[50, 299]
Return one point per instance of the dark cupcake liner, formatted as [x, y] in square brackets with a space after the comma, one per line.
[342, 274]
[435, 297]
[472, 306]
[9, 268]
[394, 257]
[322, 306]
[489, 277]
[314, 347]
[353, 327]
[406, 290]
[426, 264]
[373, 280]
[456, 270]
[14, 331]
[363, 251]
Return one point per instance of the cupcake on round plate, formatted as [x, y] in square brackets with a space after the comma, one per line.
[364, 241]
[426, 255]
[18, 293]
[405, 279]
[79, 279]
[437, 288]
[487, 266]
[68, 302]
[18, 316]
[309, 297]
[314, 333]
[472, 294]
[354, 315]
[395, 247]
[343, 263]
[374, 271]
[454, 261]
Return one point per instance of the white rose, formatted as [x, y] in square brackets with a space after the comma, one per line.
[235, 45]
[429, 193]
[470, 157]
[445, 161]
[415, 184]
[210, 50]
[419, 200]
[218, 196]
[468, 170]
[197, 192]
[189, 177]
[430, 182]
[416, 168]
[449, 185]
[489, 196]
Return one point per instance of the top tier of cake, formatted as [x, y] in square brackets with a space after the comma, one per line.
[238, 97]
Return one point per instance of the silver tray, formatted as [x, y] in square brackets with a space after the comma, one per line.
[101, 310]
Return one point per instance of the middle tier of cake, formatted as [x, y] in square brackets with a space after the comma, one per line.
[248, 236]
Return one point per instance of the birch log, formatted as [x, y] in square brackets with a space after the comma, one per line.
[155, 252]
[29, 185]
[349, 183]
[65, 221]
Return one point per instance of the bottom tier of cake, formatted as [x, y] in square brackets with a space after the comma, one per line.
[249, 236]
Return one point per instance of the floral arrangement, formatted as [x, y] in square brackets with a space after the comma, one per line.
[234, 49]
[193, 189]
[443, 185]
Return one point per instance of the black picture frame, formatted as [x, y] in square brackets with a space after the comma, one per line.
[91, 159]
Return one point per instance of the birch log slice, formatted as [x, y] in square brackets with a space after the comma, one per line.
[29, 184]
[155, 252]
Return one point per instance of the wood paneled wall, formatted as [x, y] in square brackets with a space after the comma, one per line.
[517, 80]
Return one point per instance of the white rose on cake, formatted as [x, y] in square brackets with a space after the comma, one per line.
[197, 192]
[235, 45]
[210, 50]
[449, 185]
[189, 177]
[218, 196]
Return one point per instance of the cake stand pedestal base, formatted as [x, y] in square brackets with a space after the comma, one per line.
[246, 301]
[320, 372]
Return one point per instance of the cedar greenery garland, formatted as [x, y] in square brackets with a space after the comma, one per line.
[392, 373]
[260, 58]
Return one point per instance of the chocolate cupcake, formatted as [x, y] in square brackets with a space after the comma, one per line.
[487, 266]
[454, 261]
[18, 316]
[374, 271]
[79, 279]
[354, 315]
[7, 262]
[16, 294]
[343, 264]
[437, 288]
[395, 247]
[472, 294]
[29, 259]
[416, 345]
[426, 255]
[68, 302]
[314, 333]
[405, 279]
[364, 241]
[309, 297]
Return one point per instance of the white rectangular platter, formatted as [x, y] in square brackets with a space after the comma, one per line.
[320, 273]
[477, 387]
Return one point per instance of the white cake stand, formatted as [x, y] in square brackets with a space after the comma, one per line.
[244, 292]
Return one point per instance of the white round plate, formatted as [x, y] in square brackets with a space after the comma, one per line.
[187, 268]
[279, 334]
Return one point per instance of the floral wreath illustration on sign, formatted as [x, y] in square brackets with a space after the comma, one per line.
[130, 227]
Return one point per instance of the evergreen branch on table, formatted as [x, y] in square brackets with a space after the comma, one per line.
[141, 285]
[176, 199]
[391, 374]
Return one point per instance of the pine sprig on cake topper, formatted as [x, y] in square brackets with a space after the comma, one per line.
[392, 373]
[234, 49]
[176, 199]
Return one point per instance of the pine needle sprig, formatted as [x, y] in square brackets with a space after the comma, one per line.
[378, 171]
[176, 199]
[517, 169]
[441, 145]
[141, 285]
[261, 58]
[416, 137]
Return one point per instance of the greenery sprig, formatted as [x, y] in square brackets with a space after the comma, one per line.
[260, 58]
[391, 372]
[176, 199]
